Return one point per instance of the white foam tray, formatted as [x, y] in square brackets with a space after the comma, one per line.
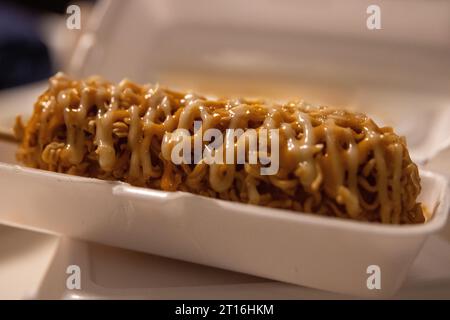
[296, 248]
[35, 267]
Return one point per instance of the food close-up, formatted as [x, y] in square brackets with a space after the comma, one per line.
[205, 151]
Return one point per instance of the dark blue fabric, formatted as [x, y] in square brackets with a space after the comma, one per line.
[24, 57]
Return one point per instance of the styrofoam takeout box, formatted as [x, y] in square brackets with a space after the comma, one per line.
[325, 253]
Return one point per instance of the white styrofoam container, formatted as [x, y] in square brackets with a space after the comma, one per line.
[320, 252]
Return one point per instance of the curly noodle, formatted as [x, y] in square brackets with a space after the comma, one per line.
[332, 162]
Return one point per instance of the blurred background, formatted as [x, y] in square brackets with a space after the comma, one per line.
[323, 43]
[34, 40]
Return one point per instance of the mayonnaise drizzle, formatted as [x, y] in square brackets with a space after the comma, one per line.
[104, 138]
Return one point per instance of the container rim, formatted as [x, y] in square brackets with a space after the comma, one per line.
[124, 190]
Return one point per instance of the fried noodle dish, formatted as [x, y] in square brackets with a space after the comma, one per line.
[331, 162]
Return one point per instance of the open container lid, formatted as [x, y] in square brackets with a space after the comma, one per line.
[320, 51]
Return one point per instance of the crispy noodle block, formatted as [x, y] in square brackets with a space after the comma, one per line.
[331, 162]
